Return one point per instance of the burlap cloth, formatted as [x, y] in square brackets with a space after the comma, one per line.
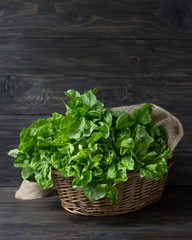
[30, 190]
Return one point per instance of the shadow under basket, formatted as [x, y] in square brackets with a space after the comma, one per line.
[134, 194]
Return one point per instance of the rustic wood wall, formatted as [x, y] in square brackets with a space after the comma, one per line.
[132, 51]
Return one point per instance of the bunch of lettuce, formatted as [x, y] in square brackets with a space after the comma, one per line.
[95, 146]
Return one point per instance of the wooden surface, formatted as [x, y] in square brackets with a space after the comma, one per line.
[96, 57]
[133, 52]
[39, 219]
[97, 19]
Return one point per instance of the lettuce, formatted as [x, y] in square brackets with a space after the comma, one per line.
[95, 146]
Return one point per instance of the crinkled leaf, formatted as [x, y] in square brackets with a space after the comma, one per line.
[128, 162]
[13, 153]
[117, 113]
[27, 172]
[125, 120]
[22, 161]
[143, 114]
[107, 117]
[111, 172]
[43, 175]
[85, 178]
[126, 145]
[121, 173]
[94, 191]
[90, 100]
[142, 140]
[112, 192]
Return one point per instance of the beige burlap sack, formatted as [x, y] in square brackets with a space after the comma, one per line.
[31, 190]
[28, 190]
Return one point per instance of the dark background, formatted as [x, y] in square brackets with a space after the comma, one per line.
[132, 51]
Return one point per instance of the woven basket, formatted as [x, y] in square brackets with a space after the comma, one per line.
[134, 194]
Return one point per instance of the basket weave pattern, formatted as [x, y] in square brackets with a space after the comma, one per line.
[134, 194]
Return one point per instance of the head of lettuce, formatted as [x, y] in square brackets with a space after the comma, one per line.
[95, 146]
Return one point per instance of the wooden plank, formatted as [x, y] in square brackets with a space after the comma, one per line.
[96, 19]
[41, 94]
[9, 175]
[11, 125]
[104, 57]
[180, 173]
[45, 219]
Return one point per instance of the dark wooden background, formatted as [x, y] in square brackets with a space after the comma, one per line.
[132, 51]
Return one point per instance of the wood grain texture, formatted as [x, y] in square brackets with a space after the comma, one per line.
[9, 175]
[102, 57]
[42, 94]
[132, 51]
[96, 19]
[45, 219]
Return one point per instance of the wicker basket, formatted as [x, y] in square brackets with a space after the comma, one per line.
[134, 194]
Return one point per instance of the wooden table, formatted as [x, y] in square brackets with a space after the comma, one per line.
[171, 218]
[133, 52]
